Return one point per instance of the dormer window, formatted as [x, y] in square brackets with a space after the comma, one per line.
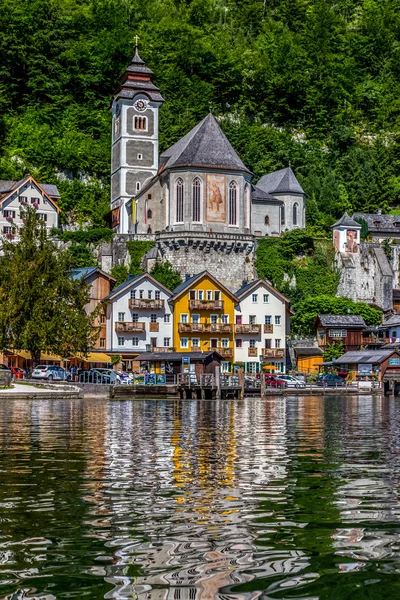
[141, 123]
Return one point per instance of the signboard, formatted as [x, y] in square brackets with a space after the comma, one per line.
[364, 369]
[394, 361]
[186, 364]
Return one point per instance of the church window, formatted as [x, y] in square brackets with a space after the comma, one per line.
[137, 186]
[149, 213]
[139, 156]
[282, 215]
[141, 123]
[266, 220]
[233, 203]
[295, 213]
[196, 201]
[179, 200]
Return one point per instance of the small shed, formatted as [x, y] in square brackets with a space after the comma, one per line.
[171, 364]
[366, 365]
[308, 358]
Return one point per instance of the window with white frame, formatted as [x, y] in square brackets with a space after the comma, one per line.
[252, 368]
[149, 294]
[42, 217]
[254, 298]
[267, 319]
[157, 294]
[184, 343]
[282, 214]
[184, 318]
[196, 342]
[225, 343]
[135, 341]
[133, 294]
[278, 343]
[252, 343]
[252, 319]
[277, 320]
[138, 186]
[121, 316]
[266, 298]
[337, 333]
[167, 342]
[179, 194]
[139, 156]
[9, 214]
[141, 292]
[200, 294]
[102, 342]
[153, 318]
[239, 343]
[196, 200]
[217, 295]
[209, 294]
[121, 341]
[195, 318]
[23, 199]
[214, 319]
[140, 123]
[225, 319]
[225, 366]
[35, 200]
[232, 203]
[167, 318]
[295, 213]
[135, 317]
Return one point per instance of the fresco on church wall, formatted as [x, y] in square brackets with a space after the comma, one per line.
[351, 240]
[216, 199]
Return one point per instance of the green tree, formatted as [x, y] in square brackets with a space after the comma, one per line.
[42, 309]
[165, 274]
[334, 350]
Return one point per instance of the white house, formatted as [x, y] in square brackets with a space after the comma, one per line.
[139, 318]
[262, 322]
[15, 195]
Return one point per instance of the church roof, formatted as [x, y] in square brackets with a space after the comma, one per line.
[138, 78]
[346, 221]
[205, 145]
[257, 194]
[280, 182]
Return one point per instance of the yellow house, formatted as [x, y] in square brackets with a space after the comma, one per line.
[204, 312]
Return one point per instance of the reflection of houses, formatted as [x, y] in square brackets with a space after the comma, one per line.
[344, 329]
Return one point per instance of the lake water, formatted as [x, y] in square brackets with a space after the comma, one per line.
[280, 498]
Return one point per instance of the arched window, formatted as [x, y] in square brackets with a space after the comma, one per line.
[179, 200]
[233, 194]
[247, 206]
[196, 201]
[282, 214]
[149, 213]
[295, 213]
[141, 123]
[266, 220]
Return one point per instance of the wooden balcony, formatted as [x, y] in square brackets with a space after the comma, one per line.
[224, 352]
[145, 303]
[376, 340]
[219, 328]
[122, 326]
[268, 328]
[162, 349]
[191, 327]
[255, 329]
[272, 352]
[252, 352]
[196, 349]
[154, 327]
[206, 304]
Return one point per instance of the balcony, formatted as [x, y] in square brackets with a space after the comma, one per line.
[145, 303]
[255, 329]
[206, 304]
[154, 327]
[224, 352]
[268, 328]
[219, 328]
[122, 326]
[191, 327]
[252, 352]
[196, 349]
[162, 349]
[272, 352]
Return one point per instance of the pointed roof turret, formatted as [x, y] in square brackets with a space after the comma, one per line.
[137, 79]
[346, 221]
[282, 181]
[205, 145]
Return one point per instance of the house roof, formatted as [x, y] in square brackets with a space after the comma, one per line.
[29, 179]
[248, 287]
[280, 181]
[7, 185]
[259, 195]
[176, 356]
[191, 280]
[135, 279]
[85, 272]
[380, 223]
[347, 221]
[205, 145]
[308, 351]
[364, 356]
[392, 321]
[350, 321]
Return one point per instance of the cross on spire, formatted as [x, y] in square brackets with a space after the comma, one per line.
[136, 40]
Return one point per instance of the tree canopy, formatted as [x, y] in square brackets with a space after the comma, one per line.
[312, 83]
[42, 308]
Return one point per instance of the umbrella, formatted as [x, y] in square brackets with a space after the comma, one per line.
[269, 368]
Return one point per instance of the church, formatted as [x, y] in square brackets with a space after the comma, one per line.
[197, 186]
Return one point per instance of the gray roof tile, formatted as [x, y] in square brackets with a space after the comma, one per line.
[378, 222]
[342, 321]
[346, 221]
[280, 181]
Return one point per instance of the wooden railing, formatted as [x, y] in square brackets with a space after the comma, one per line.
[154, 326]
[135, 327]
[206, 304]
[162, 349]
[252, 352]
[145, 303]
[219, 327]
[191, 327]
[225, 352]
[242, 328]
[272, 352]
[205, 328]
[268, 328]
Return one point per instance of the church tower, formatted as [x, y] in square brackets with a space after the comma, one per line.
[134, 146]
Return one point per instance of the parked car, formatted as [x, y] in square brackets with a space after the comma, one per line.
[330, 380]
[292, 381]
[275, 381]
[4, 368]
[17, 372]
[50, 373]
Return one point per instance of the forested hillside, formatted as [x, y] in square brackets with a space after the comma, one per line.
[308, 82]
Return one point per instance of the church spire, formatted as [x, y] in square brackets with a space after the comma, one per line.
[137, 79]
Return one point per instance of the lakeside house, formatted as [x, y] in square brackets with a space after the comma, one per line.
[344, 329]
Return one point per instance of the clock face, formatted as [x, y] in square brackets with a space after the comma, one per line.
[140, 105]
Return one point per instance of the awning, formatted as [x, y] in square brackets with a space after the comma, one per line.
[94, 357]
[27, 356]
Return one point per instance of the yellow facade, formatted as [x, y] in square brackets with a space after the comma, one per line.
[309, 364]
[204, 315]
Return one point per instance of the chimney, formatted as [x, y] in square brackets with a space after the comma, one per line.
[187, 276]
[244, 282]
[379, 211]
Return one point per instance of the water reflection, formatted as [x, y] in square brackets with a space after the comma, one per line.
[198, 500]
